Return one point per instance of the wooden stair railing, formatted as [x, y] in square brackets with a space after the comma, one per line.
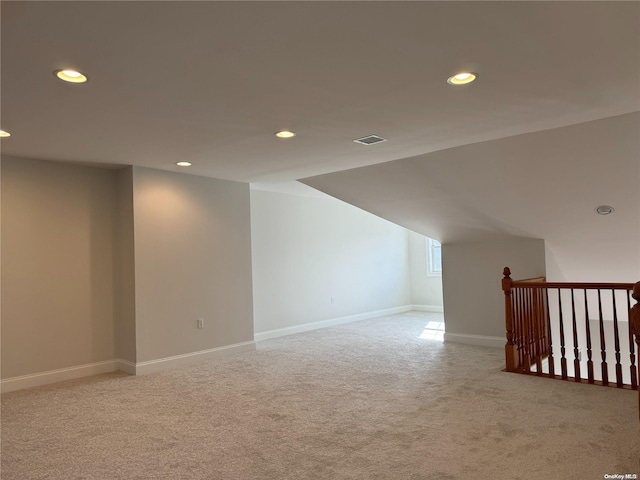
[634, 323]
[547, 320]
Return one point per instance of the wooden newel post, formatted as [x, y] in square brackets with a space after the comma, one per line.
[510, 349]
[634, 321]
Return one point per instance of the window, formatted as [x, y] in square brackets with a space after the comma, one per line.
[434, 257]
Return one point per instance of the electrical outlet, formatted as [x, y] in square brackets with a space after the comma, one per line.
[200, 323]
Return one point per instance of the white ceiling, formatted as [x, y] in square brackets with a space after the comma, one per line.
[546, 133]
[210, 82]
[543, 185]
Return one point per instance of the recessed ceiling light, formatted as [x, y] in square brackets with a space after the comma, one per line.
[4, 134]
[183, 164]
[71, 76]
[604, 210]
[462, 78]
[285, 134]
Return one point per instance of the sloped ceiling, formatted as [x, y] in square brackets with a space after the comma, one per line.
[540, 185]
[210, 82]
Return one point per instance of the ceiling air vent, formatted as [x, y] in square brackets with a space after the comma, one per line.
[370, 140]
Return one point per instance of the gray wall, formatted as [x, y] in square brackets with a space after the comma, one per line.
[192, 259]
[307, 250]
[58, 229]
[124, 267]
[104, 264]
[472, 276]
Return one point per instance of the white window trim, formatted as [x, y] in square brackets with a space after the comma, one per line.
[430, 246]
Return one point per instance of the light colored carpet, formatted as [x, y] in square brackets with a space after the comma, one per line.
[369, 400]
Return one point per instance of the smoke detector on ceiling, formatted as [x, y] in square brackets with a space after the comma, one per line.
[370, 140]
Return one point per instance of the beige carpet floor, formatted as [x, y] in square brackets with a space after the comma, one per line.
[368, 400]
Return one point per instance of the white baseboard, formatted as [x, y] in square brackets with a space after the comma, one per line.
[427, 308]
[479, 340]
[62, 374]
[52, 376]
[161, 364]
[306, 327]
[125, 366]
